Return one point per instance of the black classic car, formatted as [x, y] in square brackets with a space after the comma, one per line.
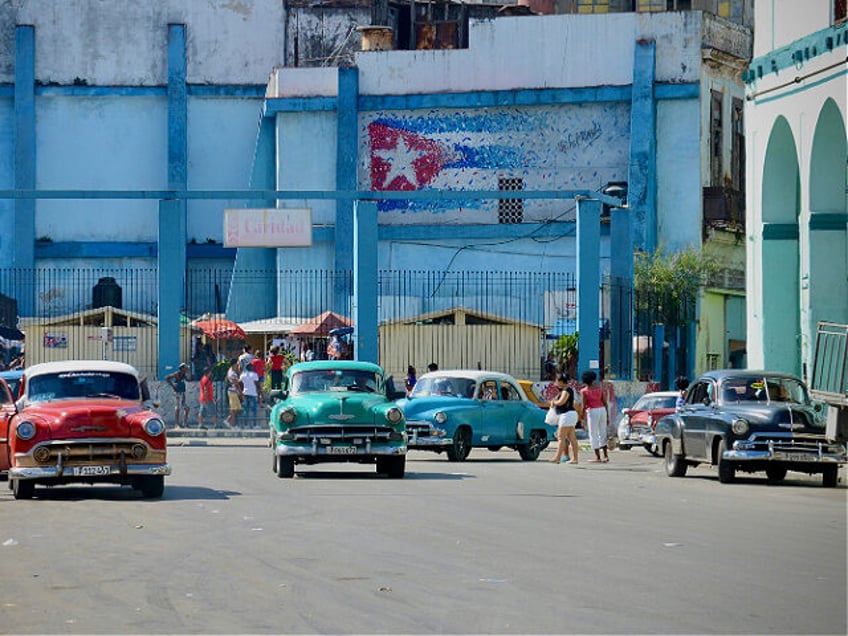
[750, 421]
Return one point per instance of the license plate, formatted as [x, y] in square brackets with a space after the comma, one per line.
[341, 450]
[797, 457]
[90, 471]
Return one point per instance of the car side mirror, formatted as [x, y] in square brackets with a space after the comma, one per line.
[817, 407]
[707, 401]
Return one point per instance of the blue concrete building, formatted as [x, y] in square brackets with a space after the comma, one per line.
[164, 104]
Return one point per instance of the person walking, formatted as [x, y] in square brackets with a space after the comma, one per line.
[208, 405]
[250, 390]
[276, 360]
[177, 381]
[234, 393]
[595, 415]
[568, 417]
[410, 379]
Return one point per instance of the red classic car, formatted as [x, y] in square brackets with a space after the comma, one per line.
[82, 421]
[636, 426]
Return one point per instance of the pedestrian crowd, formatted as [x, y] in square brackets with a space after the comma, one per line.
[245, 390]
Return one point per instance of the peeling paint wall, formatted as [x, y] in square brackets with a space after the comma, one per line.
[124, 42]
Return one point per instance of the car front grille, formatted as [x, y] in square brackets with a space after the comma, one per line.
[89, 451]
[351, 434]
[418, 428]
[777, 443]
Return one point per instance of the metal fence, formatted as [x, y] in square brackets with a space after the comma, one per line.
[516, 315]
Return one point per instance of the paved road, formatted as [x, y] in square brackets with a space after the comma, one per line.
[491, 545]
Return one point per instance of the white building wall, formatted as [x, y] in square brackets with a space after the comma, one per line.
[781, 22]
[124, 42]
[800, 103]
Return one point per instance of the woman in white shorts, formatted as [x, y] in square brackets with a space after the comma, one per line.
[568, 417]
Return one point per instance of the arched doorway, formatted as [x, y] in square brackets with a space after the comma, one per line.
[781, 281]
[827, 266]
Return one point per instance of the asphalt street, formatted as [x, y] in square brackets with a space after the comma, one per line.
[490, 545]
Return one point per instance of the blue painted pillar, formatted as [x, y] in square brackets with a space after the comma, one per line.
[621, 309]
[23, 238]
[659, 346]
[253, 288]
[588, 283]
[172, 213]
[642, 174]
[171, 285]
[673, 335]
[346, 159]
[365, 282]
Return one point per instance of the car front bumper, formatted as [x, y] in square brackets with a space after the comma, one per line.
[84, 473]
[637, 437]
[771, 451]
[331, 453]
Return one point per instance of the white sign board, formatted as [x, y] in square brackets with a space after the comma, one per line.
[268, 227]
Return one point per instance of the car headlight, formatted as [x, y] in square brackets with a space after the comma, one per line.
[25, 430]
[441, 417]
[154, 427]
[394, 415]
[739, 426]
[288, 416]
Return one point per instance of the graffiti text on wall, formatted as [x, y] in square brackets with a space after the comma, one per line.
[580, 138]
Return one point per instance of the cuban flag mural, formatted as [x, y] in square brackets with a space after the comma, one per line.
[573, 147]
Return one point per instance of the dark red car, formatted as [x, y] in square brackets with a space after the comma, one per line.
[636, 426]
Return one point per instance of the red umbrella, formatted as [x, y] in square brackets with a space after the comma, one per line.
[321, 326]
[220, 329]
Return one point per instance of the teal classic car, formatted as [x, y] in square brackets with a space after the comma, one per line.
[452, 412]
[336, 411]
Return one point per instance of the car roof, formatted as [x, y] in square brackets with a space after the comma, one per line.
[80, 365]
[325, 365]
[474, 374]
[720, 374]
[660, 394]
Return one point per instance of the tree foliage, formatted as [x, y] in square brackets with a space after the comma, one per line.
[667, 285]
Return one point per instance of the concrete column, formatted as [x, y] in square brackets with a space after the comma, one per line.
[22, 248]
[365, 281]
[621, 310]
[171, 285]
[659, 342]
[172, 212]
[346, 159]
[588, 283]
[642, 175]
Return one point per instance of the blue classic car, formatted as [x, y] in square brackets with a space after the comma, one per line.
[455, 411]
[749, 421]
[337, 411]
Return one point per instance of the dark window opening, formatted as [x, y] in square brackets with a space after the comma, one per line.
[737, 152]
[716, 136]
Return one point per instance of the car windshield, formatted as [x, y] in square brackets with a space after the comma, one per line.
[654, 402]
[334, 380]
[444, 385]
[764, 389]
[14, 385]
[82, 384]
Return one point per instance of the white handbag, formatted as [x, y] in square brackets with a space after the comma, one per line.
[552, 417]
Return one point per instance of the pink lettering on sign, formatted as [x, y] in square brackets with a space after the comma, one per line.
[268, 227]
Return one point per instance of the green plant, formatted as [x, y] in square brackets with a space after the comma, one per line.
[667, 285]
